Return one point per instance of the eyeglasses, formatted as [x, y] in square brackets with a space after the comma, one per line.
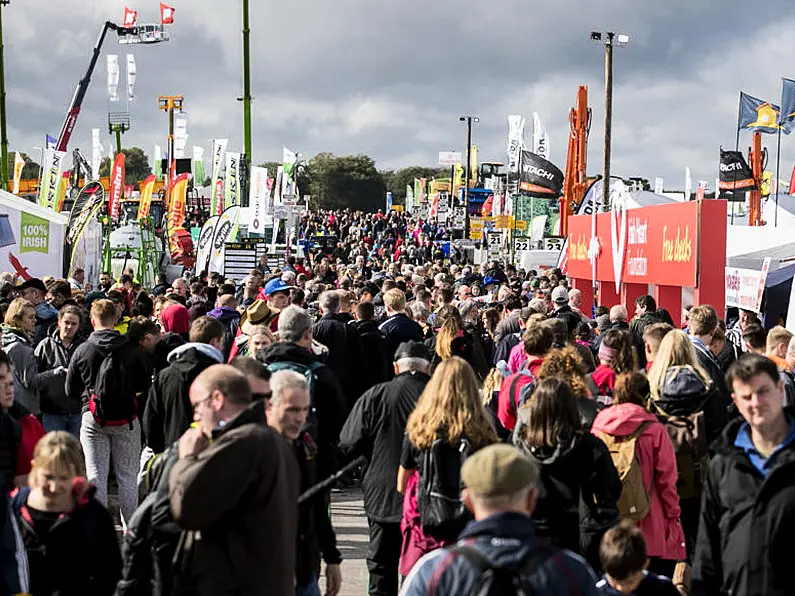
[200, 403]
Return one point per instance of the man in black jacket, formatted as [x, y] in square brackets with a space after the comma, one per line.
[702, 327]
[168, 412]
[101, 443]
[54, 353]
[375, 429]
[745, 533]
[398, 327]
[328, 400]
[376, 364]
[343, 343]
[287, 411]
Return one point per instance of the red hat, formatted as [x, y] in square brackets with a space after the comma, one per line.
[175, 318]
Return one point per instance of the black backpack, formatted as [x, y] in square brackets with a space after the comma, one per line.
[439, 486]
[496, 580]
[111, 400]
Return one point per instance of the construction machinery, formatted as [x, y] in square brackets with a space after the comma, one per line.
[575, 182]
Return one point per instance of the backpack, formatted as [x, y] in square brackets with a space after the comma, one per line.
[689, 437]
[634, 502]
[110, 400]
[439, 486]
[496, 580]
[309, 372]
[520, 395]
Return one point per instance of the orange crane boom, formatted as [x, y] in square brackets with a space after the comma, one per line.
[574, 185]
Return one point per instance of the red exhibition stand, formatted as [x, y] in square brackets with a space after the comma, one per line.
[658, 250]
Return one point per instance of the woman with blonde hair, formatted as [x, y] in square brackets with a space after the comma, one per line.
[454, 339]
[681, 389]
[448, 425]
[18, 332]
[69, 536]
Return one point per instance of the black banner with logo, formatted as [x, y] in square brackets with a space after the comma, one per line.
[539, 177]
[735, 174]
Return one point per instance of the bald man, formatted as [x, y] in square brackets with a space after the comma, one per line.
[236, 482]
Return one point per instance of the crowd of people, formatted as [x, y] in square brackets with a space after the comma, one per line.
[185, 439]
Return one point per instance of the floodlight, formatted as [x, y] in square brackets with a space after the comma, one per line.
[622, 39]
[596, 36]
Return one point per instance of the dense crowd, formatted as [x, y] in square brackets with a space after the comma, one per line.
[505, 440]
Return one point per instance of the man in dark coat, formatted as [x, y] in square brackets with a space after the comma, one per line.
[398, 327]
[168, 413]
[702, 327]
[375, 429]
[376, 361]
[229, 317]
[343, 343]
[745, 532]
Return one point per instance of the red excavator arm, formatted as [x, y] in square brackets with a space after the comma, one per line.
[574, 185]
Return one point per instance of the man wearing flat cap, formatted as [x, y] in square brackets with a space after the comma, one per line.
[502, 489]
[375, 429]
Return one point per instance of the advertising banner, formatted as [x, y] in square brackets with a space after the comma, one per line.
[232, 180]
[258, 199]
[204, 243]
[649, 245]
[225, 230]
[51, 178]
[19, 163]
[219, 159]
[146, 197]
[539, 177]
[735, 174]
[116, 187]
[745, 287]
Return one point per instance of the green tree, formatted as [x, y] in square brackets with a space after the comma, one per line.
[351, 182]
[398, 180]
[30, 170]
[136, 165]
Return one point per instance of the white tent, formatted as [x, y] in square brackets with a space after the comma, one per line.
[31, 238]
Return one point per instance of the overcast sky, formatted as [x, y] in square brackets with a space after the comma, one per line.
[390, 79]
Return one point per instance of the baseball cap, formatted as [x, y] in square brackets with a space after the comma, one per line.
[34, 282]
[277, 285]
[412, 349]
[560, 295]
[499, 470]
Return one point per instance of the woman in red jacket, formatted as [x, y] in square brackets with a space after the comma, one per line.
[662, 530]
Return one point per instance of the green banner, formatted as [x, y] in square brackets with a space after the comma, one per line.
[35, 234]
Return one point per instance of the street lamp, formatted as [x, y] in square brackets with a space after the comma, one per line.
[246, 99]
[609, 39]
[3, 132]
[469, 120]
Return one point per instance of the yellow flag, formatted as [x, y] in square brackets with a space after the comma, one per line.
[19, 163]
[459, 175]
[146, 197]
[473, 164]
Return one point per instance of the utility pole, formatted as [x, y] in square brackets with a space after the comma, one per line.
[118, 124]
[469, 120]
[169, 103]
[3, 130]
[609, 39]
[246, 99]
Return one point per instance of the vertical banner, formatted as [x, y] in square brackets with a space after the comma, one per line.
[409, 199]
[688, 184]
[146, 197]
[205, 243]
[473, 165]
[158, 162]
[232, 180]
[659, 185]
[388, 202]
[515, 143]
[63, 185]
[96, 153]
[113, 77]
[180, 137]
[540, 138]
[19, 163]
[258, 198]
[277, 186]
[224, 230]
[50, 178]
[219, 157]
[198, 166]
[131, 72]
[116, 187]
[176, 216]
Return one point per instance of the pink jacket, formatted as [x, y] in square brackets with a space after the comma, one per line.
[517, 357]
[655, 453]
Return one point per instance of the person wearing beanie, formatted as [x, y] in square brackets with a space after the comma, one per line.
[176, 319]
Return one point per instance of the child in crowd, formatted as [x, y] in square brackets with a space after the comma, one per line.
[623, 556]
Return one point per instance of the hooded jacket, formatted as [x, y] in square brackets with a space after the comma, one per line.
[88, 357]
[230, 319]
[327, 399]
[46, 315]
[375, 429]
[376, 366]
[747, 522]
[51, 353]
[655, 455]
[27, 380]
[345, 353]
[80, 553]
[238, 502]
[579, 501]
[169, 413]
[506, 539]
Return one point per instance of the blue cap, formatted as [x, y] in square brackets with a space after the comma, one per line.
[277, 285]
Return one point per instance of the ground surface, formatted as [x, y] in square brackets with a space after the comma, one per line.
[347, 512]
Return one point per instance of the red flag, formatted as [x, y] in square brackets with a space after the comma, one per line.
[116, 187]
[130, 17]
[791, 190]
[166, 14]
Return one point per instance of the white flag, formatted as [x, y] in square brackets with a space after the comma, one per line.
[659, 185]
[515, 141]
[131, 71]
[180, 137]
[540, 138]
[688, 184]
[96, 152]
[257, 199]
[113, 77]
[219, 159]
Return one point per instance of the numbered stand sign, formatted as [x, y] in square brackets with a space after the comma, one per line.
[521, 243]
[553, 244]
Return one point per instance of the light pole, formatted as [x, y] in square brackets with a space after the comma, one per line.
[469, 120]
[246, 99]
[3, 132]
[609, 38]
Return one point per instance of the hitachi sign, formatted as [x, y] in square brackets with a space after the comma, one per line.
[540, 172]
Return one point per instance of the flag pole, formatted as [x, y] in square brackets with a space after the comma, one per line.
[778, 166]
[737, 148]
